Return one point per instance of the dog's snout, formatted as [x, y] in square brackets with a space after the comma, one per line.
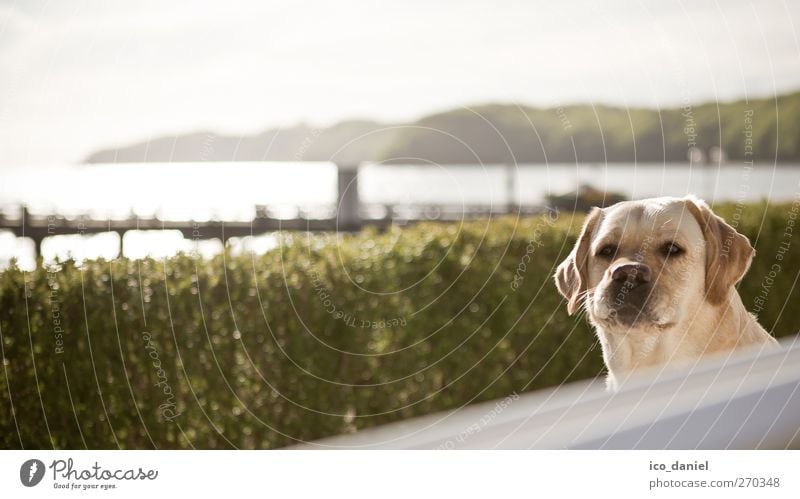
[637, 273]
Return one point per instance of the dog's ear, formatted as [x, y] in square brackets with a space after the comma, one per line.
[728, 253]
[572, 274]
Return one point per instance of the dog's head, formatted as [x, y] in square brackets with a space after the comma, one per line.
[648, 264]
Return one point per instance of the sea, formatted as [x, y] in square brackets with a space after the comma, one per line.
[232, 190]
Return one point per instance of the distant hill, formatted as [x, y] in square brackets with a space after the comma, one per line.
[761, 130]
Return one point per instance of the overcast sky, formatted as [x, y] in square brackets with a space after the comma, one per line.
[76, 76]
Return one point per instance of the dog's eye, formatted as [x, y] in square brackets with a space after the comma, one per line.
[607, 251]
[671, 249]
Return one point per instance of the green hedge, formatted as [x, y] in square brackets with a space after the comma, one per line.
[320, 336]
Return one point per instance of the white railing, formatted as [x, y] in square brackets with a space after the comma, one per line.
[746, 400]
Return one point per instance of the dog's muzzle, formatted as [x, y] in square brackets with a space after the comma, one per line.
[628, 292]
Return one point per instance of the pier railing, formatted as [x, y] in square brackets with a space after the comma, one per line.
[350, 214]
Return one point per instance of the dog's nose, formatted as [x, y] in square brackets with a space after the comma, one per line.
[637, 273]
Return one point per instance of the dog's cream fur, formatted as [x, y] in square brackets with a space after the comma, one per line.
[689, 307]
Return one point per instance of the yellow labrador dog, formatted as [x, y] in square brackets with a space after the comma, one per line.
[657, 279]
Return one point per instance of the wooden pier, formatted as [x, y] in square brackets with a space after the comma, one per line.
[348, 216]
[38, 228]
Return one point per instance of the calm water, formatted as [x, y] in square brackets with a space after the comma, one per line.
[229, 191]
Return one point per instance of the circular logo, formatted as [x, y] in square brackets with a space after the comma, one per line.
[31, 472]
